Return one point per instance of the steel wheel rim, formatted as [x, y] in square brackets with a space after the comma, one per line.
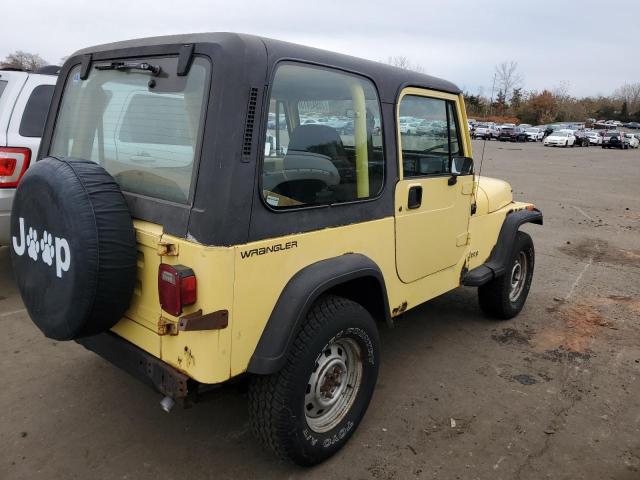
[333, 385]
[518, 276]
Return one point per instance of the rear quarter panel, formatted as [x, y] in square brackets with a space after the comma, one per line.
[261, 277]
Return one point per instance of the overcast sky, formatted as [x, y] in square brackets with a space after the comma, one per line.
[591, 46]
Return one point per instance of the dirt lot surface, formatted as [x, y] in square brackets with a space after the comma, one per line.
[551, 394]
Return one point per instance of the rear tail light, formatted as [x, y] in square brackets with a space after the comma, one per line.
[14, 161]
[177, 287]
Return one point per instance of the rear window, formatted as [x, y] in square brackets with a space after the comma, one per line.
[35, 112]
[143, 129]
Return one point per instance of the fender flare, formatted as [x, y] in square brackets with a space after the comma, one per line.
[503, 249]
[297, 297]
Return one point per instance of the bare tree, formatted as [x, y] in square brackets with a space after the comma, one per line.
[24, 60]
[630, 93]
[508, 77]
[401, 61]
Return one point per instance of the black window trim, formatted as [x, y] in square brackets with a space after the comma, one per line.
[264, 127]
[456, 118]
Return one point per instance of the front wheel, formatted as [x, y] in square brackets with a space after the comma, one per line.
[504, 296]
[308, 410]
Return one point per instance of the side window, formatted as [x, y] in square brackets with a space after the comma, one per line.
[324, 139]
[428, 135]
[3, 84]
[35, 112]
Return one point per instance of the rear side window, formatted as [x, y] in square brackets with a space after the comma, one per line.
[429, 147]
[324, 139]
[35, 112]
[3, 84]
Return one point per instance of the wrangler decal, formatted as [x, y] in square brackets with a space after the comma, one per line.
[278, 247]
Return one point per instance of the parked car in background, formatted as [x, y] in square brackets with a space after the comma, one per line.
[560, 138]
[495, 131]
[594, 138]
[633, 125]
[548, 130]
[406, 125]
[581, 138]
[615, 139]
[634, 140]
[24, 102]
[534, 134]
[512, 134]
[481, 130]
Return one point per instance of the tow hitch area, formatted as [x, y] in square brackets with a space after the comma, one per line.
[174, 385]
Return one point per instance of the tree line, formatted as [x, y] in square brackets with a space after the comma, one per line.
[512, 103]
[551, 105]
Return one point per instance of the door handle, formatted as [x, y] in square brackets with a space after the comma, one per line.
[415, 197]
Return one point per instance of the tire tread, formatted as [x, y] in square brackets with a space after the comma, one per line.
[267, 393]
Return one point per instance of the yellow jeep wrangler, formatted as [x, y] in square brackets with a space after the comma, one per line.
[214, 206]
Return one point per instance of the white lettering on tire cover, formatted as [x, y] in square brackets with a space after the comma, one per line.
[52, 248]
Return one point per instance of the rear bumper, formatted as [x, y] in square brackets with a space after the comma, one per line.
[145, 367]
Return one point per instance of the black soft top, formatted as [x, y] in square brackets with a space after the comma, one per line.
[388, 79]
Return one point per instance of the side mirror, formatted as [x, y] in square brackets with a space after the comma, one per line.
[462, 166]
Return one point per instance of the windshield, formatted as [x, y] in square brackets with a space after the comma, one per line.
[559, 134]
[142, 128]
[533, 130]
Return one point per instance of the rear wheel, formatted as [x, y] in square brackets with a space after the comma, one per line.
[504, 297]
[308, 410]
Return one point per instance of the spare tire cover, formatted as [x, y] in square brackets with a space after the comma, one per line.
[73, 247]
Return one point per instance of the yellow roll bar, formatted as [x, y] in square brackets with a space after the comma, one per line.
[360, 139]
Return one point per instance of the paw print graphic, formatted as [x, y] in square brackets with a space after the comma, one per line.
[46, 245]
[33, 246]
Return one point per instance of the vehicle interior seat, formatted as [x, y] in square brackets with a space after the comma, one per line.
[312, 166]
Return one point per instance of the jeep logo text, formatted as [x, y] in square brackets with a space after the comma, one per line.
[49, 248]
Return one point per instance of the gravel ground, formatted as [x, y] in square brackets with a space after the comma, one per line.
[553, 393]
